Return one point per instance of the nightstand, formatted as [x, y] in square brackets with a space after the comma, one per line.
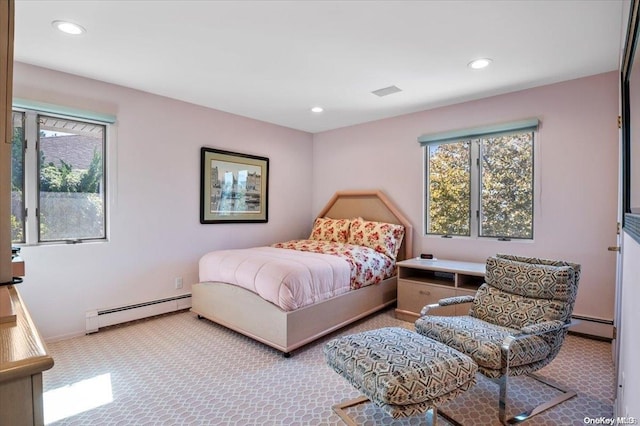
[425, 281]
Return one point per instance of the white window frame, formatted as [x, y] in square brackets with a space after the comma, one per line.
[31, 172]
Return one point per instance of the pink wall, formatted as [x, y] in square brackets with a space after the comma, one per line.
[576, 186]
[154, 191]
[153, 169]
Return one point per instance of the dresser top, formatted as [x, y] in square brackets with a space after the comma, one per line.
[22, 351]
[455, 266]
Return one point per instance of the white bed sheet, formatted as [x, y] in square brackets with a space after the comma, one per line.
[288, 278]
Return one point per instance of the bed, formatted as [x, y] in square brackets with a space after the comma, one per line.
[247, 313]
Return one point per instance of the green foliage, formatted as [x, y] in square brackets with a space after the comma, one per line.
[507, 186]
[55, 179]
[92, 179]
[17, 159]
[17, 230]
[449, 189]
[65, 178]
[17, 185]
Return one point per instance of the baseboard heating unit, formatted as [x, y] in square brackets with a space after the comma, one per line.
[105, 317]
[592, 326]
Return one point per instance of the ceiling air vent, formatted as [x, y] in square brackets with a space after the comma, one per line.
[387, 91]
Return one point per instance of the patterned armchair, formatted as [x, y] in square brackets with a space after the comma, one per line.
[516, 325]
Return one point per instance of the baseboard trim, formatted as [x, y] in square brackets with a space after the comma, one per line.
[97, 319]
[591, 336]
[598, 328]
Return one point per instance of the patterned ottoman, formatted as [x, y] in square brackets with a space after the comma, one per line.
[403, 372]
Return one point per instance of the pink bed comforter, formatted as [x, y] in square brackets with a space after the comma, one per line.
[297, 273]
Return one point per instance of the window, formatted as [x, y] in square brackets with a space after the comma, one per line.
[58, 182]
[479, 183]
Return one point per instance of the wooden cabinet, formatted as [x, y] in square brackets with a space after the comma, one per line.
[23, 358]
[423, 281]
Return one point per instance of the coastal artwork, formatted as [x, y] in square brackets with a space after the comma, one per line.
[235, 188]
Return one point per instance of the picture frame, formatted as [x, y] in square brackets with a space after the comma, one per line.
[234, 187]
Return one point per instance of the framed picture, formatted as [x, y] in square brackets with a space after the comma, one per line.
[233, 187]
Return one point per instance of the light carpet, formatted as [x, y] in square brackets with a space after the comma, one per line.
[179, 370]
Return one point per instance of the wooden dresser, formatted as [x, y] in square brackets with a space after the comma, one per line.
[23, 358]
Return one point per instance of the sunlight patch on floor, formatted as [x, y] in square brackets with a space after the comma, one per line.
[77, 397]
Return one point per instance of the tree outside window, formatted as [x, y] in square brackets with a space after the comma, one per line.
[449, 188]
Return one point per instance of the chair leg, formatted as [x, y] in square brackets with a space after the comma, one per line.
[450, 419]
[502, 408]
[339, 409]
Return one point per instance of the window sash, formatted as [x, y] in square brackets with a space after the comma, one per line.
[456, 199]
[524, 173]
[79, 205]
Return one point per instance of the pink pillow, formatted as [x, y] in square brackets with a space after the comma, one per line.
[384, 238]
[332, 230]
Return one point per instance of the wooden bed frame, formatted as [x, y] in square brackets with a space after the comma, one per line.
[247, 313]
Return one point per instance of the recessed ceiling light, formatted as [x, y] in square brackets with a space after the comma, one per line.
[68, 27]
[478, 64]
[317, 109]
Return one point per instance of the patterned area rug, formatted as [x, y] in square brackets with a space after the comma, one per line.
[179, 370]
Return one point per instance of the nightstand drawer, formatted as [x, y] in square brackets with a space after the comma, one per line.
[413, 297]
[423, 282]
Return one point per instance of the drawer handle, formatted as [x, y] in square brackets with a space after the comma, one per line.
[425, 292]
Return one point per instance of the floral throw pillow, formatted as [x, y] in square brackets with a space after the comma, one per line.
[332, 230]
[384, 238]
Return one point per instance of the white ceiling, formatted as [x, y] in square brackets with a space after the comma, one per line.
[274, 60]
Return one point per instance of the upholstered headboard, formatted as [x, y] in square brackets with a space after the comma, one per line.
[371, 205]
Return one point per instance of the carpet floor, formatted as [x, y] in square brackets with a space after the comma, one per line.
[179, 370]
